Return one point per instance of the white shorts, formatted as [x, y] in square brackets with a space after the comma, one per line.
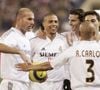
[13, 85]
[47, 86]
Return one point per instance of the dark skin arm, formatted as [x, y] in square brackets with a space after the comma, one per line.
[27, 67]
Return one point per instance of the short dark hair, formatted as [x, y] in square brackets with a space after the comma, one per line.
[92, 13]
[79, 12]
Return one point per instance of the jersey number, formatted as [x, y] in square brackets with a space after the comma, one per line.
[90, 71]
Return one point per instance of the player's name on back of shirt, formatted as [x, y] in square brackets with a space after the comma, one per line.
[87, 53]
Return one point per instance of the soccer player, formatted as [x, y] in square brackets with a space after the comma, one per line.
[75, 18]
[15, 37]
[47, 49]
[84, 60]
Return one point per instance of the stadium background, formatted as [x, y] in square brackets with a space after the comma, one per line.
[8, 9]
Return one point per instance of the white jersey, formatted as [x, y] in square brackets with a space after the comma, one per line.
[29, 35]
[84, 60]
[71, 37]
[45, 50]
[1, 41]
[14, 38]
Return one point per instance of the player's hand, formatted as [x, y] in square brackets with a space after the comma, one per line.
[24, 66]
[69, 39]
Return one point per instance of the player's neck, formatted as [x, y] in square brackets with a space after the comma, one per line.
[77, 33]
[51, 35]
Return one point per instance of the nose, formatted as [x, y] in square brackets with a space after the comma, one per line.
[32, 23]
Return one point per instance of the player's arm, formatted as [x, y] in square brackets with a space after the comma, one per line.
[57, 62]
[6, 49]
[30, 66]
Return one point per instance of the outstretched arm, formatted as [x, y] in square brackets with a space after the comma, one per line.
[6, 49]
[57, 62]
[31, 66]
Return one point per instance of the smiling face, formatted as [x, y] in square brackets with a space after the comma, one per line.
[74, 22]
[51, 24]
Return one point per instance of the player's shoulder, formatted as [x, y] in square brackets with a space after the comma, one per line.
[60, 36]
[7, 33]
[98, 42]
[62, 39]
[35, 39]
[30, 35]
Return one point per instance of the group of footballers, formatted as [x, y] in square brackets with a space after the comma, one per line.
[63, 53]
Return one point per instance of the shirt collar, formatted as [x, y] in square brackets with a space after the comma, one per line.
[18, 31]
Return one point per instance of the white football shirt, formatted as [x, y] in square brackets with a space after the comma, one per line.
[84, 64]
[14, 38]
[45, 50]
[29, 35]
[71, 37]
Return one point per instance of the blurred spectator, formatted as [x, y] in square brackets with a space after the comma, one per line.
[8, 9]
[76, 3]
[40, 7]
[90, 5]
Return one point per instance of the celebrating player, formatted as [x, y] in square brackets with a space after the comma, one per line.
[76, 17]
[15, 37]
[47, 49]
[84, 60]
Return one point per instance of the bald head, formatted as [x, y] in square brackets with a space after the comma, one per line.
[24, 20]
[23, 11]
[87, 31]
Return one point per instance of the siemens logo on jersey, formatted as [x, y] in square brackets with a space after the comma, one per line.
[48, 54]
[87, 53]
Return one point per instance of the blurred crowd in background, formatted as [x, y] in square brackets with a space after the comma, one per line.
[8, 9]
